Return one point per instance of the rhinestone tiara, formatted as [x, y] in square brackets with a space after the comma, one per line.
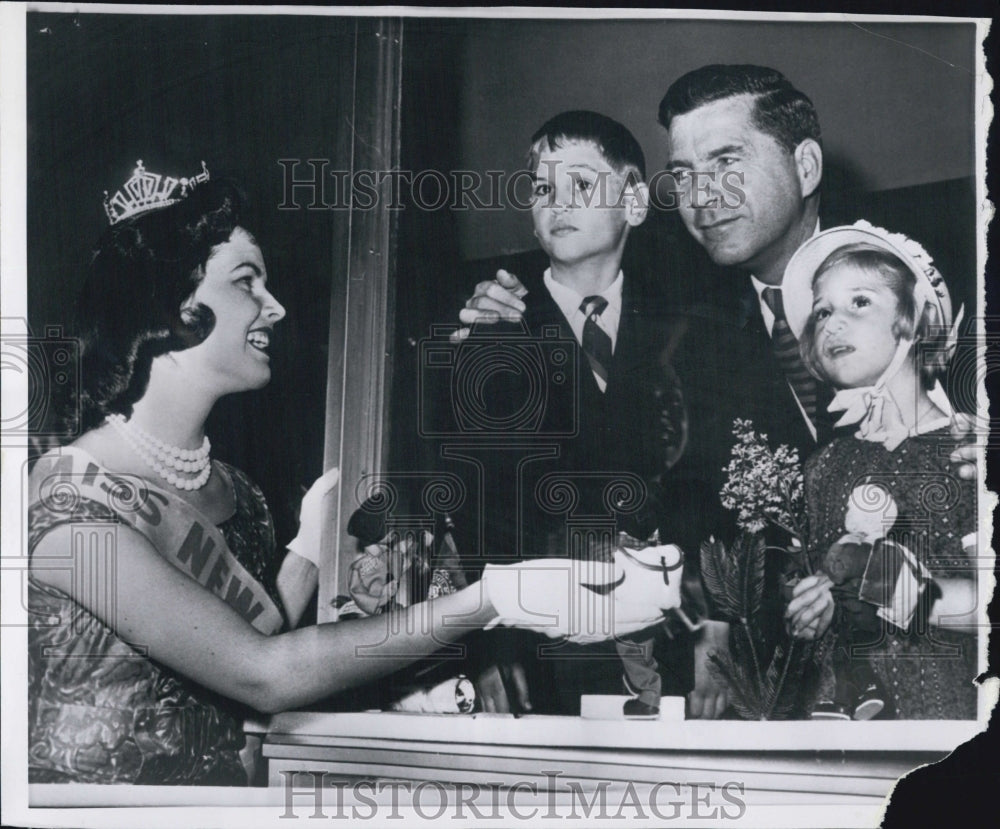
[147, 191]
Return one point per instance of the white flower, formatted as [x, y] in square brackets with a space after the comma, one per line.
[871, 511]
[762, 486]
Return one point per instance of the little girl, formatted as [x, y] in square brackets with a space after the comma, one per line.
[891, 525]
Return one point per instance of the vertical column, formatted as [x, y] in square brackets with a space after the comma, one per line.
[361, 312]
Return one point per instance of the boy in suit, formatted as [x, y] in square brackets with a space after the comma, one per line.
[608, 430]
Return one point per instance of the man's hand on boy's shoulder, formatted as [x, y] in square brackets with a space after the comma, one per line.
[494, 300]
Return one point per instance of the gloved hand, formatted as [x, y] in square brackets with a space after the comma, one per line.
[307, 543]
[587, 601]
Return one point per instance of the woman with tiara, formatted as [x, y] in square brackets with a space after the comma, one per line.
[159, 619]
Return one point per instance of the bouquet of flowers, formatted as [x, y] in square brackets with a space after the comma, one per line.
[767, 677]
[765, 488]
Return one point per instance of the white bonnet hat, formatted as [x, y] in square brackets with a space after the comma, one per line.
[797, 286]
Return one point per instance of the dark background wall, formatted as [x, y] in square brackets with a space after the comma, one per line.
[895, 100]
[239, 92]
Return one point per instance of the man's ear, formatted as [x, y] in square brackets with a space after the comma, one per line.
[809, 166]
[635, 197]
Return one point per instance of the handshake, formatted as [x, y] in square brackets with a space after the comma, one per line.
[587, 601]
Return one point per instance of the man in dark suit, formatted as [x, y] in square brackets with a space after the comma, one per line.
[750, 124]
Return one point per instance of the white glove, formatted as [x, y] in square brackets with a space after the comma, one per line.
[587, 601]
[307, 543]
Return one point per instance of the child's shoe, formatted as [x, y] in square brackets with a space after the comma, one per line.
[636, 709]
[869, 703]
[829, 710]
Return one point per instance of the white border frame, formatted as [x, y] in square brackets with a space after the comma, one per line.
[248, 807]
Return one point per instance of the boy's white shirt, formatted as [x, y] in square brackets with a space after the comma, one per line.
[569, 301]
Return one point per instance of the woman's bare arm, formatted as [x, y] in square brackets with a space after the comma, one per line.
[198, 635]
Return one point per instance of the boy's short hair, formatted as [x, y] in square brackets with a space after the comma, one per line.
[613, 140]
[780, 110]
[930, 331]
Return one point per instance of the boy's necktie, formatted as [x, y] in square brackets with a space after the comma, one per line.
[786, 352]
[596, 342]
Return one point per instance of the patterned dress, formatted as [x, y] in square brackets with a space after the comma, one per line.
[926, 671]
[100, 711]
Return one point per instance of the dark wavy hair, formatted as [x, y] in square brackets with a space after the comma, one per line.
[780, 110]
[613, 140]
[129, 309]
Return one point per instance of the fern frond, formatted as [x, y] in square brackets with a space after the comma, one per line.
[715, 568]
[710, 571]
[765, 682]
[776, 676]
[733, 578]
[743, 700]
[792, 681]
[754, 562]
[751, 647]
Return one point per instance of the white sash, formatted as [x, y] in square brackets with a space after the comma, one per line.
[177, 531]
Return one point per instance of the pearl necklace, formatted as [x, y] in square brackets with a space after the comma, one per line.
[183, 460]
[158, 455]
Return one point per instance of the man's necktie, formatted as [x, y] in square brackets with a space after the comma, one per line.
[786, 352]
[596, 342]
